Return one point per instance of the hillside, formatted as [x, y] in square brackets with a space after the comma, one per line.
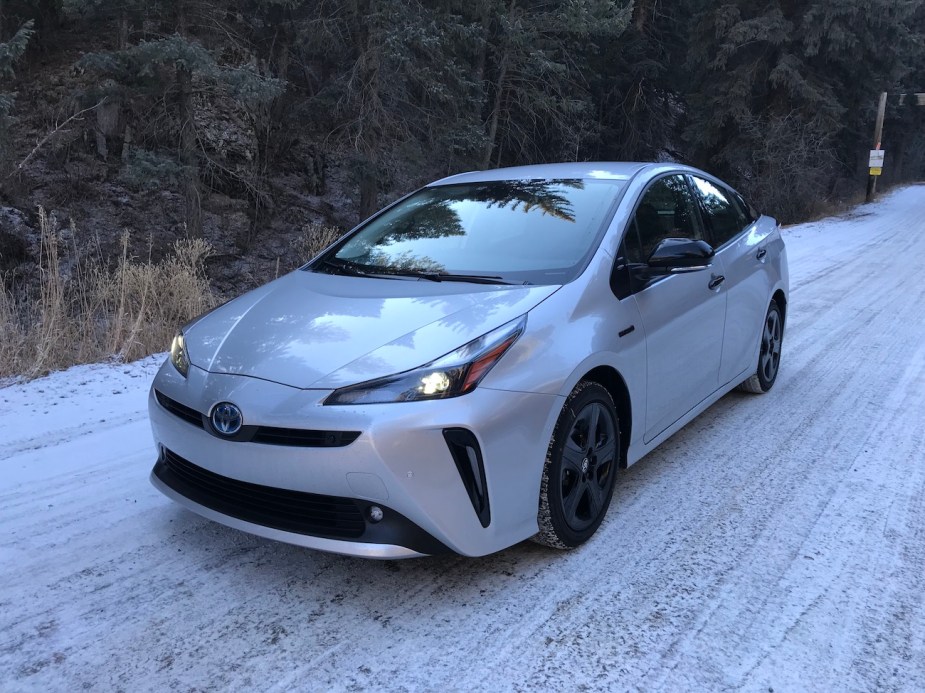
[263, 127]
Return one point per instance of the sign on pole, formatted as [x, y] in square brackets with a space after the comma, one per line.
[876, 161]
[917, 99]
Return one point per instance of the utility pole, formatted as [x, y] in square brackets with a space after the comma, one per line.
[878, 132]
[876, 156]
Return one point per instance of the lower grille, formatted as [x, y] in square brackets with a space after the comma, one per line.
[291, 511]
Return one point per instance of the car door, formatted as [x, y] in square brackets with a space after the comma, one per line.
[682, 314]
[740, 243]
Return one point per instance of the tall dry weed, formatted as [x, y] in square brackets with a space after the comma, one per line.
[306, 245]
[89, 308]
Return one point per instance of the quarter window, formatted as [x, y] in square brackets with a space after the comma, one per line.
[726, 219]
[667, 210]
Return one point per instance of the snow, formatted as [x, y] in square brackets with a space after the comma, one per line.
[776, 543]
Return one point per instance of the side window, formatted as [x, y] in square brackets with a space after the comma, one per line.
[726, 219]
[751, 214]
[666, 210]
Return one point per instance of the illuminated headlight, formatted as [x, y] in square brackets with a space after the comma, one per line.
[451, 375]
[178, 355]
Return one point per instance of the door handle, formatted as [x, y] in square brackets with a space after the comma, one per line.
[761, 253]
[716, 281]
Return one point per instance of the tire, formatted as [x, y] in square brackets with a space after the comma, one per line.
[580, 470]
[772, 337]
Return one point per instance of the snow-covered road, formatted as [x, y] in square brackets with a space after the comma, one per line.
[777, 542]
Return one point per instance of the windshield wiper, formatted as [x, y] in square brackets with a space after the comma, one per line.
[470, 278]
[343, 266]
[355, 269]
[352, 269]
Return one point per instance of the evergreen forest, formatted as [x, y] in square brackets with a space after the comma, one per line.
[250, 121]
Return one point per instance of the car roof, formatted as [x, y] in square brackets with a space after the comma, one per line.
[603, 170]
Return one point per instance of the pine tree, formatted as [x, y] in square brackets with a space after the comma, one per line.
[170, 70]
[396, 84]
[539, 56]
[10, 53]
[637, 82]
[782, 91]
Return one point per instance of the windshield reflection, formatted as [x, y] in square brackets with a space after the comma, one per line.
[526, 230]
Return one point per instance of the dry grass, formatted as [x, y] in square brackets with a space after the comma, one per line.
[87, 308]
[306, 245]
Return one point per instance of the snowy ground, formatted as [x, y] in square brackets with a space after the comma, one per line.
[776, 543]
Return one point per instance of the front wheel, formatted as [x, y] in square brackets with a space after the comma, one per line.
[580, 470]
[772, 337]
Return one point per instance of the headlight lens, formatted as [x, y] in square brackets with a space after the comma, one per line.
[451, 375]
[178, 355]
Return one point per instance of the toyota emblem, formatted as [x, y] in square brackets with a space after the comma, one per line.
[226, 418]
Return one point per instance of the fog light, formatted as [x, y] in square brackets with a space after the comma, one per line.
[375, 514]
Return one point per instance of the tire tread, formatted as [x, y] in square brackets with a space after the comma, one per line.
[547, 534]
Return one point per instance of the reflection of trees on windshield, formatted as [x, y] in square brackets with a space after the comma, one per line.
[435, 217]
[463, 211]
[404, 261]
[426, 219]
[532, 194]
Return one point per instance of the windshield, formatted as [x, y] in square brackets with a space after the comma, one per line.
[527, 231]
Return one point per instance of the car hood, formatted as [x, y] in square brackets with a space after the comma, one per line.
[312, 330]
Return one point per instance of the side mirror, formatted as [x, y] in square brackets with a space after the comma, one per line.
[677, 255]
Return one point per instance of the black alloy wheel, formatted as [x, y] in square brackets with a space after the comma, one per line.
[772, 339]
[581, 468]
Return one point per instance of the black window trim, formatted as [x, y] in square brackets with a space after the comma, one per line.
[642, 194]
[625, 286]
[733, 199]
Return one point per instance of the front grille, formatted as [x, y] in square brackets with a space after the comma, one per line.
[186, 413]
[291, 511]
[303, 437]
[266, 435]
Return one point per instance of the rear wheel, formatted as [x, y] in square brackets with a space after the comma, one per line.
[772, 337]
[581, 467]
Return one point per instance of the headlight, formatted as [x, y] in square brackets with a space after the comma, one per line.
[178, 355]
[451, 375]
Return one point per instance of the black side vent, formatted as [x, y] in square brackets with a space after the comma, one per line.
[468, 458]
[182, 411]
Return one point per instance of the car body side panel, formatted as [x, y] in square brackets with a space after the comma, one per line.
[594, 319]
[683, 320]
[777, 280]
[639, 448]
[749, 283]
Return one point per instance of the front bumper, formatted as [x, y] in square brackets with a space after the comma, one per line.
[400, 462]
[216, 500]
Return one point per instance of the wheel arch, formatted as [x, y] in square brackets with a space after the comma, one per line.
[610, 378]
[781, 301]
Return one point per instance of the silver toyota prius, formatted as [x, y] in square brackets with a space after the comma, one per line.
[471, 366]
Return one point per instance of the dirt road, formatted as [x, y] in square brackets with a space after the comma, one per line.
[777, 542]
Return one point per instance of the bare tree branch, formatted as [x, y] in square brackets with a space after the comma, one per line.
[42, 142]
